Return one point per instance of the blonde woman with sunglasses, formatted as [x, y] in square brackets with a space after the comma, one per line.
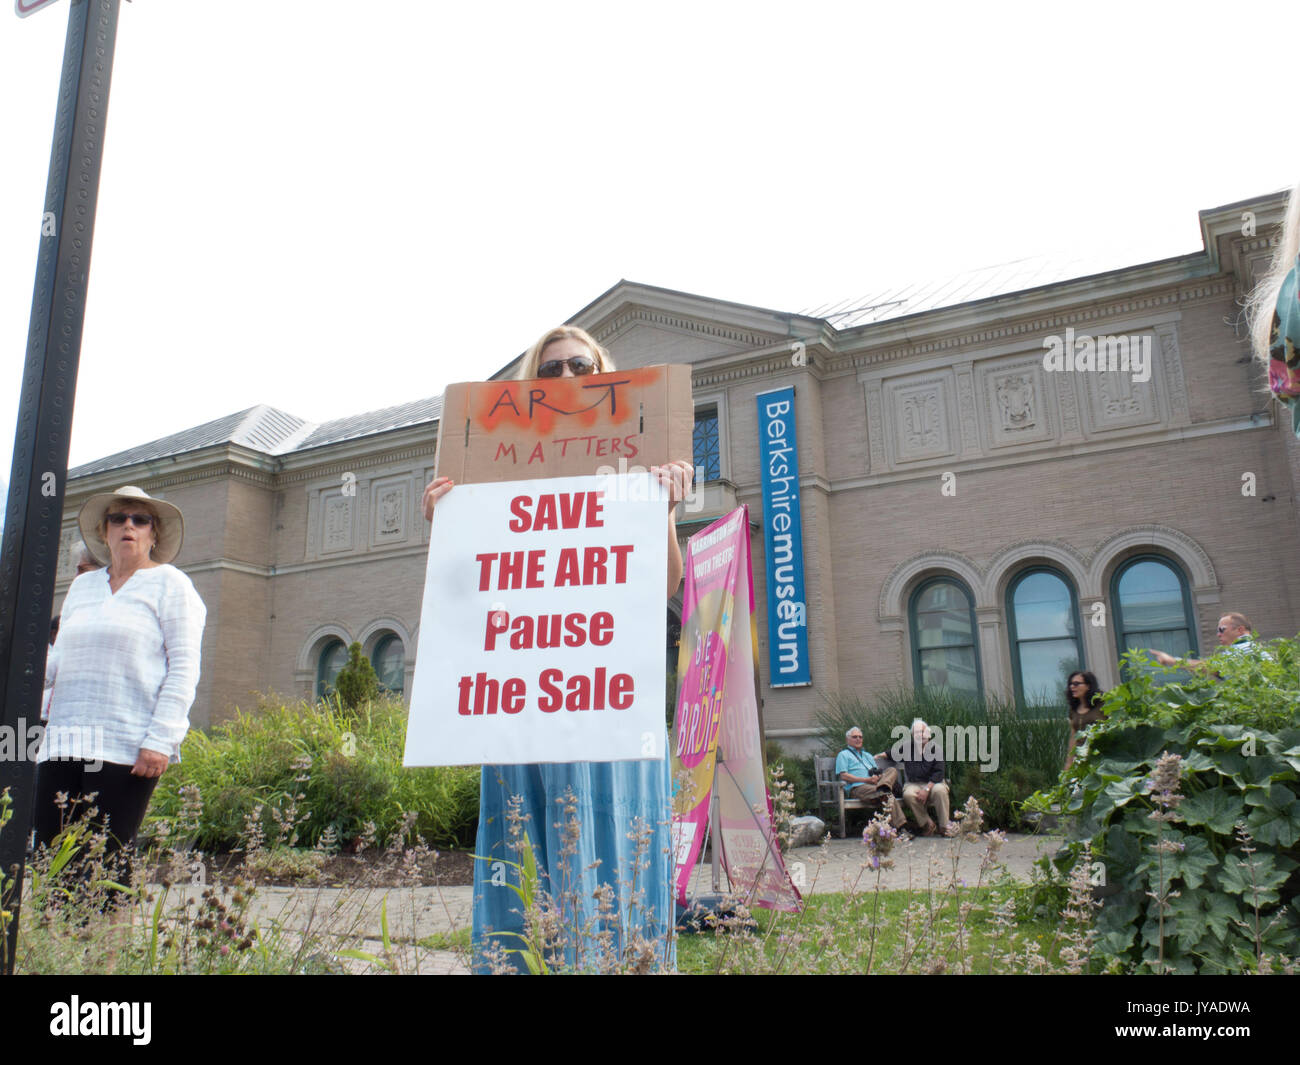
[597, 829]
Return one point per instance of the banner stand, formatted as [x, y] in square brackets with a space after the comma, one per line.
[717, 740]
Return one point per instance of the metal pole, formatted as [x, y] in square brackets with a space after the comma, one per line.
[34, 514]
[715, 836]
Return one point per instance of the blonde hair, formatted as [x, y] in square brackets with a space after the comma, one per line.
[1260, 306]
[528, 368]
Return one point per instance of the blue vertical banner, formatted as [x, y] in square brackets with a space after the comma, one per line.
[787, 610]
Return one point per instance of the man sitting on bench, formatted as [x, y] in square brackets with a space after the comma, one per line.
[923, 769]
[863, 779]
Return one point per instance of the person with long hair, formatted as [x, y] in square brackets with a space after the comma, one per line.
[599, 832]
[1274, 315]
[1083, 705]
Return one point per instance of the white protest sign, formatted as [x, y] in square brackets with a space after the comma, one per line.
[542, 633]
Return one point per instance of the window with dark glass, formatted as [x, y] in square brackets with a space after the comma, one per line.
[333, 657]
[708, 449]
[1043, 620]
[1153, 607]
[389, 662]
[945, 651]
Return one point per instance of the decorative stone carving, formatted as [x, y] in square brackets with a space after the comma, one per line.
[970, 438]
[1067, 396]
[1171, 368]
[1117, 394]
[391, 501]
[921, 420]
[1017, 401]
[391, 510]
[337, 534]
[876, 460]
[1117, 401]
[922, 416]
[313, 524]
[362, 498]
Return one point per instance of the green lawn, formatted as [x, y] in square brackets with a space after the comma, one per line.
[914, 933]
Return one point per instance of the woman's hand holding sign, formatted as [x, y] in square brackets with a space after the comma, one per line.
[437, 488]
[676, 477]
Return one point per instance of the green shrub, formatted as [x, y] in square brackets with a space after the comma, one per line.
[801, 775]
[1188, 795]
[356, 682]
[318, 767]
[1030, 750]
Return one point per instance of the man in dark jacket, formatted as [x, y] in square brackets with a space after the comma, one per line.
[923, 768]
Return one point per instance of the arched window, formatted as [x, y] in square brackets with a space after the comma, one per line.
[1043, 619]
[945, 652]
[333, 657]
[389, 661]
[1153, 607]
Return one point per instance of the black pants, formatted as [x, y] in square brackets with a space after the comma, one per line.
[120, 799]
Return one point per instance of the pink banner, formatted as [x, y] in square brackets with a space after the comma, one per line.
[717, 735]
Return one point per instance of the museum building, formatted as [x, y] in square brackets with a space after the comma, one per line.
[981, 506]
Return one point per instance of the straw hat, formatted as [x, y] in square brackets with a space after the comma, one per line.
[170, 534]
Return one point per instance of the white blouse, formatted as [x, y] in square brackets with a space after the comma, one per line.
[125, 667]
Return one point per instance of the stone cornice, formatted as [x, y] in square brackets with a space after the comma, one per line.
[232, 460]
[680, 323]
[397, 444]
[353, 460]
[1220, 287]
[723, 319]
[205, 464]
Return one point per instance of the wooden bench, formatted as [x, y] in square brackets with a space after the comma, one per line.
[830, 792]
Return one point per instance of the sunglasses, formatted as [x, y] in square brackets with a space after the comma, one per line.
[580, 365]
[142, 521]
[1077, 684]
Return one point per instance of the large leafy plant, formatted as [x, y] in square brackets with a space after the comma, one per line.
[1195, 856]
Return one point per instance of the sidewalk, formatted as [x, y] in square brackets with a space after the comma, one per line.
[356, 914]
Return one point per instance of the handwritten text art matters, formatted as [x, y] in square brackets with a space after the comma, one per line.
[565, 426]
[787, 611]
[541, 634]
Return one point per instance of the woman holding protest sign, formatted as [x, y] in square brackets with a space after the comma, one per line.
[598, 832]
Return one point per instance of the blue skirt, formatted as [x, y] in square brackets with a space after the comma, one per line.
[578, 843]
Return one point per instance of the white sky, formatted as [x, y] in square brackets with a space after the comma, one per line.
[333, 207]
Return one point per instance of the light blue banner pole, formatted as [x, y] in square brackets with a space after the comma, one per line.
[787, 610]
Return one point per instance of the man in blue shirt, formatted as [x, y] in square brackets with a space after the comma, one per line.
[863, 779]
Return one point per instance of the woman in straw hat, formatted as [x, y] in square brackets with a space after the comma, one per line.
[123, 673]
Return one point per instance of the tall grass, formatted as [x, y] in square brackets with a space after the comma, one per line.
[1030, 747]
[313, 769]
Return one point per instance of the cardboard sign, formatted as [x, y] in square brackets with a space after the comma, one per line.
[565, 426]
[542, 630]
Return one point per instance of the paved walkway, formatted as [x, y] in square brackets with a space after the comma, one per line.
[353, 917]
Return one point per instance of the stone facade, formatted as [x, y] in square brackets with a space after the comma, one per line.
[932, 443]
